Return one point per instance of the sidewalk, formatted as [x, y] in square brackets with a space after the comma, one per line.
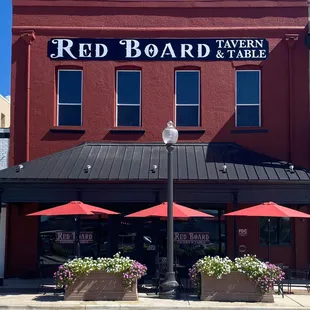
[17, 294]
[49, 301]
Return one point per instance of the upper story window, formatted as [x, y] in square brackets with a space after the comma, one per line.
[69, 97]
[248, 98]
[187, 98]
[128, 98]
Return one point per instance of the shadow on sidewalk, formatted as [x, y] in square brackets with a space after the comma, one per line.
[49, 298]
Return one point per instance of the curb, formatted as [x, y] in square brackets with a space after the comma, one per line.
[141, 307]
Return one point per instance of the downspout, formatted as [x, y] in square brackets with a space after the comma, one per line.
[235, 208]
[3, 220]
[290, 40]
[28, 37]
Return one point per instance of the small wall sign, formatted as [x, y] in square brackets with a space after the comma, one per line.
[191, 237]
[243, 232]
[69, 237]
[242, 248]
[158, 49]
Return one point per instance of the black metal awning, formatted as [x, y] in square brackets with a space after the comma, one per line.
[148, 162]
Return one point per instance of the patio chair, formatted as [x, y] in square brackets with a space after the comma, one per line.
[40, 271]
[161, 268]
[299, 275]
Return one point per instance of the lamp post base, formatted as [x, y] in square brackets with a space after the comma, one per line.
[169, 288]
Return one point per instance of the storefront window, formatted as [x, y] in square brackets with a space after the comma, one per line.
[57, 235]
[280, 231]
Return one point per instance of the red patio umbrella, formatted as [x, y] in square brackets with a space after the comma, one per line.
[161, 210]
[76, 208]
[269, 209]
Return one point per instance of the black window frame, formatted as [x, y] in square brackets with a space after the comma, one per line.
[259, 104]
[118, 105]
[198, 105]
[66, 103]
[275, 221]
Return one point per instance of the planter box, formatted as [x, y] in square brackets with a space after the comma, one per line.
[233, 287]
[100, 285]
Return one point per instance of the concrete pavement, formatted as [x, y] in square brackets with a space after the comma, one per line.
[50, 301]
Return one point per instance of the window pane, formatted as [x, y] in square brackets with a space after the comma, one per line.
[284, 231]
[248, 87]
[264, 231]
[187, 87]
[128, 87]
[70, 87]
[187, 116]
[69, 115]
[248, 115]
[280, 231]
[128, 116]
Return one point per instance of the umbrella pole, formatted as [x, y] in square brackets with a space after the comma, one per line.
[77, 236]
[268, 239]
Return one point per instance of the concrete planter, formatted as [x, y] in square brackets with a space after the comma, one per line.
[233, 287]
[100, 285]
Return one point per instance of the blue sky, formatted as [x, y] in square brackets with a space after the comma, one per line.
[5, 46]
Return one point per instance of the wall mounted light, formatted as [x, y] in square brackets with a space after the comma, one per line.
[224, 170]
[154, 168]
[88, 167]
[291, 167]
[19, 168]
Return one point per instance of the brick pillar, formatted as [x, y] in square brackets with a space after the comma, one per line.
[22, 241]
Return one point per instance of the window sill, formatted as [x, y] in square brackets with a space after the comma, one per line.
[249, 130]
[120, 130]
[68, 129]
[193, 130]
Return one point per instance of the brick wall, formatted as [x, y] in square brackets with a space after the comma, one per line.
[4, 147]
[4, 152]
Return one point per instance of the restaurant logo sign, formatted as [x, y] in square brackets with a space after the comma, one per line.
[158, 49]
[243, 232]
[191, 237]
[69, 237]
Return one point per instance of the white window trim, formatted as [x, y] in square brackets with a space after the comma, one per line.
[79, 103]
[124, 104]
[246, 105]
[186, 105]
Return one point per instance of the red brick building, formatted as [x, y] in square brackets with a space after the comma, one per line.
[232, 75]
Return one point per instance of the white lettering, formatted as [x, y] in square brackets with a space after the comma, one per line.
[61, 48]
[206, 50]
[101, 50]
[227, 44]
[239, 55]
[262, 54]
[170, 51]
[186, 49]
[259, 43]
[231, 53]
[251, 44]
[131, 45]
[220, 43]
[151, 50]
[85, 50]
[242, 44]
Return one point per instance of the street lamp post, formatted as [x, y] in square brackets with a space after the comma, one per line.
[169, 286]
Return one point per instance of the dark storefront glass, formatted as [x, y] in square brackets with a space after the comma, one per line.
[141, 239]
[280, 231]
[56, 238]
